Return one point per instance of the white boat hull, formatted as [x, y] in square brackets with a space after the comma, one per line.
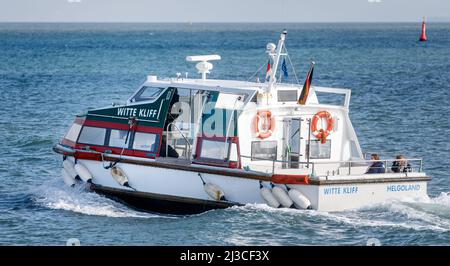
[352, 196]
[169, 190]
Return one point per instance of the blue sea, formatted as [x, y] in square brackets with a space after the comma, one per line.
[50, 72]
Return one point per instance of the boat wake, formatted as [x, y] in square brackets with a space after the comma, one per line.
[56, 195]
[424, 214]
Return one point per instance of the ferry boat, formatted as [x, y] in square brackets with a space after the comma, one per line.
[184, 146]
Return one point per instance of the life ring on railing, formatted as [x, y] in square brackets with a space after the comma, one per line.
[264, 124]
[322, 134]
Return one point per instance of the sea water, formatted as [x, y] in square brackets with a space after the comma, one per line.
[50, 72]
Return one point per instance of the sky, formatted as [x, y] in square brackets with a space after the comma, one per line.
[223, 10]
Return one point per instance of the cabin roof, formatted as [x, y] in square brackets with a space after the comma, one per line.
[215, 83]
[239, 87]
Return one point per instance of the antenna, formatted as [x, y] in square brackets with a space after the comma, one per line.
[203, 66]
[276, 57]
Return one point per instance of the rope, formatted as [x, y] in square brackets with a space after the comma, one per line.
[292, 65]
[203, 181]
[257, 71]
[112, 164]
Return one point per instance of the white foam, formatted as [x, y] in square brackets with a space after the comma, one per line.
[59, 197]
[417, 214]
[357, 221]
[443, 199]
[267, 208]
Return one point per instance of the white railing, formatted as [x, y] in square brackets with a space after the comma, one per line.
[345, 92]
[329, 168]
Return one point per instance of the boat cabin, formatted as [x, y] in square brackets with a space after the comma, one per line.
[255, 126]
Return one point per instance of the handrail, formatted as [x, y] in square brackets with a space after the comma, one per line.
[350, 162]
[179, 131]
[346, 92]
[279, 161]
[331, 162]
[368, 161]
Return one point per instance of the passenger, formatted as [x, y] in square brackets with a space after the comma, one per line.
[377, 167]
[172, 116]
[401, 165]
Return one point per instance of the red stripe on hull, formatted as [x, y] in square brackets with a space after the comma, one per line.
[126, 152]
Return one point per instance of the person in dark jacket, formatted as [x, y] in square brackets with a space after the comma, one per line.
[171, 152]
[401, 165]
[377, 167]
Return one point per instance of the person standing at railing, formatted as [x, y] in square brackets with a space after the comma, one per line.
[377, 167]
[401, 165]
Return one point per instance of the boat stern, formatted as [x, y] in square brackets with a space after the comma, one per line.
[339, 194]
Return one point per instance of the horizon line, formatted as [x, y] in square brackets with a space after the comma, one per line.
[222, 22]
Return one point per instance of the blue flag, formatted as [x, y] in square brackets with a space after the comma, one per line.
[284, 68]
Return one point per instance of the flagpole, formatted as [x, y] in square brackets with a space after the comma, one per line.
[281, 77]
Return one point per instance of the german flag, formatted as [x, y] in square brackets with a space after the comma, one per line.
[305, 92]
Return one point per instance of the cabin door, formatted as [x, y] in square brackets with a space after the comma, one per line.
[291, 145]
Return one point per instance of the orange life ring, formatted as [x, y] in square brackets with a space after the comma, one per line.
[322, 134]
[267, 125]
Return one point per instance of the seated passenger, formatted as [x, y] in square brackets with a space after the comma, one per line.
[376, 167]
[401, 165]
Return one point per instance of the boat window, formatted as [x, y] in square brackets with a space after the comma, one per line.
[180, 110]
[319, 150]
[218, 122]
[330, 98]
[117, 138]
[184, 110]
[145, 141]
[147, 93]
[287, 95]
[92, 135]
[73, 132]
[354, 150]
[230, 101]
[264, 150]
[212, 149]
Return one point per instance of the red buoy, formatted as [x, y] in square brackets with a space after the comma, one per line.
[423, 36]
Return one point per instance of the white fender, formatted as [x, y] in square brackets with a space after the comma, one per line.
[83, 172]
[300, 201]
[269, 198]
[282, 197]
[70, 168]
[119, 175]
[67, 178]
[214, 191]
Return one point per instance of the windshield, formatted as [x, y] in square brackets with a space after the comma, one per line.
[147, 93]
